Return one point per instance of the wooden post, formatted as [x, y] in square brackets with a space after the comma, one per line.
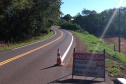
[119, 30]
[114, 47]
[73, 62]
[104, 65]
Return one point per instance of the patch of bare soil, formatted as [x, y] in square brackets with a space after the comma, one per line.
[115, 40]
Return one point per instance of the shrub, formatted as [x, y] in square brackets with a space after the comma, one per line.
[71, 26]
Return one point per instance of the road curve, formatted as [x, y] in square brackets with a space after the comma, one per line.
[35, 63]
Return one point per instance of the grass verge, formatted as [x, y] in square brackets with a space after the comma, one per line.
[114, 68]
[96, 45]
[34, 39]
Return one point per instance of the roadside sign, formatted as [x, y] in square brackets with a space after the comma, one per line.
[89, 64]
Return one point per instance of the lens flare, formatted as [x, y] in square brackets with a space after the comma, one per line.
[119, 4]
[107, 26]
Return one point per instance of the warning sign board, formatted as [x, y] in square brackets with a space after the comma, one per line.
[88, 64]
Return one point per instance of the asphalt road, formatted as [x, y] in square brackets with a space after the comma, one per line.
[35, 63]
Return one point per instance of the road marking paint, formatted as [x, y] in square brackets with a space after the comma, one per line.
[28, 52]
[68, 48]
[35, 42]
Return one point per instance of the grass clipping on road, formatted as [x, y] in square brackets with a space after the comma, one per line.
[96, 45]
[33, 40]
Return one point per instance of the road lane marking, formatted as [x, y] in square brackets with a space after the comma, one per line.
[28, 52]
[68, 48]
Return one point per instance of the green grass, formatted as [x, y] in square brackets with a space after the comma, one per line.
[114, 68]
[96, 45]
[36, 39]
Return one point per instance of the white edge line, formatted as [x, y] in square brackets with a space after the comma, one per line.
[63, 57]
[35, 42]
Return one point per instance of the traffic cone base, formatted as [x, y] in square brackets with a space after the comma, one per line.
[61, 64]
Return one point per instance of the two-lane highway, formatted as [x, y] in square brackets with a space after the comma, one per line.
[34, 63]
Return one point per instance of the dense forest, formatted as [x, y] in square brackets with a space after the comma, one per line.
[95, 23]
[23, 19]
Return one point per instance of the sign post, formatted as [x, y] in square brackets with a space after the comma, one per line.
[89, 64]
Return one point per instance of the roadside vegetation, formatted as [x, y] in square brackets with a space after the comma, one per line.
[95, 23]
[71, 26]
[21, 20]
[115, 68]
[32, 40]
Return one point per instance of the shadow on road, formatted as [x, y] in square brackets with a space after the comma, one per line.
[78, 81]
[50, 67]
[75, 81]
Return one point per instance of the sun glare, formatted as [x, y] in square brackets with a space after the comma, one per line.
[107, 26]
[119, 4]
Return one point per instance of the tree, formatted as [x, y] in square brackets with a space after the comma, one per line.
[22, 19]
[67, 17]
[71, 26]
[88, 12]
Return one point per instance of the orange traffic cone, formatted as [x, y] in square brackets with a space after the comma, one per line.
[59, 60]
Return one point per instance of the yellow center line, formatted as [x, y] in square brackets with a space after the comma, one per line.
[28, 52]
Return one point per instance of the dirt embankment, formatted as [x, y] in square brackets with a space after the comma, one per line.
[79, 47]
[115, 40]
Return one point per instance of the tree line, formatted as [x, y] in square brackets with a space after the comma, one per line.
[23, 19]
[95, 23]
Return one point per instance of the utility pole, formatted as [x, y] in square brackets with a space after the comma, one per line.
[119, 29]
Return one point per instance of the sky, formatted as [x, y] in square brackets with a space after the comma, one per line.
[73, 7]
